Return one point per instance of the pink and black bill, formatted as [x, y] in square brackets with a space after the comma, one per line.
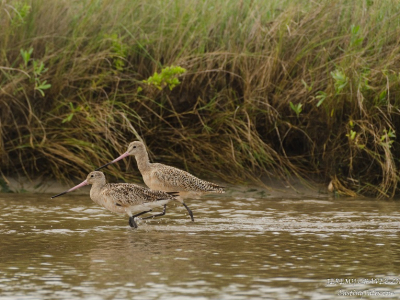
[71, 189]
[114, 161]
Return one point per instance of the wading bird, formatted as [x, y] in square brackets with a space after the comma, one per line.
[166, 178]
[123, 198]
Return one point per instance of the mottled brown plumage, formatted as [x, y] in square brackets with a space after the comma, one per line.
[123, 198]
[166, 178]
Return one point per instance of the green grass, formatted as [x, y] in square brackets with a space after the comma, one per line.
[272, 88]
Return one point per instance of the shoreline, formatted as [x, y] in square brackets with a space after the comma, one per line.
[274, 188]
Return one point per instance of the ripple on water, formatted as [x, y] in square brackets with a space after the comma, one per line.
[238, 248]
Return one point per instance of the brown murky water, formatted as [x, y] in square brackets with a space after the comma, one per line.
[241, 246]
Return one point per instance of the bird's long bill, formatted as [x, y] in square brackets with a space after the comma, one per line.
[72, 189]
[114, 161]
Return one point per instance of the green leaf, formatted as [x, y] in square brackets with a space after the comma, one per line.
[296, 108]
[340, 79]
[41, 92]
[45, 86]
[321, 96]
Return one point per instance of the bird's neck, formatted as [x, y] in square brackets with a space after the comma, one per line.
[96, 189]
[143, 162]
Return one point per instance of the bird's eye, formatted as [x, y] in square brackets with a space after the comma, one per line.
[134, 147]
[92, 175]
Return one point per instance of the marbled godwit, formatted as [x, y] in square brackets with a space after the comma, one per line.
[123, 198]
[166, 178]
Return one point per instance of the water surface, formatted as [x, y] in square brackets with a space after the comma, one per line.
[242, 245]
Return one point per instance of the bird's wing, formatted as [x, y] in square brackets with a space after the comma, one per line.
[174, 178]
[127, 194]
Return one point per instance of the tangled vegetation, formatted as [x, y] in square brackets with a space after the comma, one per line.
[271, 89]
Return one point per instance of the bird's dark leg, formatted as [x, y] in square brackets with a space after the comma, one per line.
[157, 215]
[189, 211]
[132, 222]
